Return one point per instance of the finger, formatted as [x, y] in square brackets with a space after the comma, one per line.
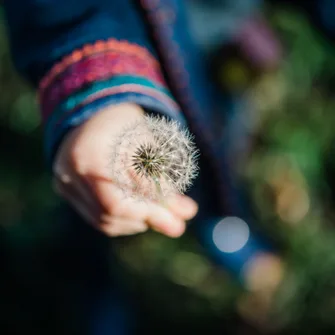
[74, 199]
[117, 205]
[84, 191]
[163, 221]
[79, 188]
[182, 206]
[115, 226]
[111, 226]
[71, 178]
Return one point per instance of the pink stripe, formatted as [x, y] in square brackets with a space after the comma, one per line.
[94, 69]
[89, 50]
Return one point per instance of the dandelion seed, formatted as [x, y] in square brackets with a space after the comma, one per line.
[153, 158]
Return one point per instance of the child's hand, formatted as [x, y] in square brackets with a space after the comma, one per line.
[82, 178]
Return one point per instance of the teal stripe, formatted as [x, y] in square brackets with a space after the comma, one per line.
[74, 100]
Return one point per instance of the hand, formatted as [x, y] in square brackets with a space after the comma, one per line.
[82, 178]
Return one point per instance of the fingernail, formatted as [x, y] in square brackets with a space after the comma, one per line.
[65, 178]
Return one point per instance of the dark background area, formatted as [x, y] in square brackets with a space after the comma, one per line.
[290, 178]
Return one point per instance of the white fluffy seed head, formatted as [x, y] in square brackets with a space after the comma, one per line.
[154, 157]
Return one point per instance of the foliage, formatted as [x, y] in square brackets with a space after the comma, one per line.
[289, 178]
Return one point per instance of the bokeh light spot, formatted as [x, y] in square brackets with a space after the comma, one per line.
[231, 234]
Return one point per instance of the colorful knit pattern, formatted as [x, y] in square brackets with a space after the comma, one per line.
[95, 68]
[99, 71]
[102, 89]
[123, 47]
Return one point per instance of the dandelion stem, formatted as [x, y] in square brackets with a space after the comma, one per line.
[159, 192]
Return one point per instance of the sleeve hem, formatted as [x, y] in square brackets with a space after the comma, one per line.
[106, 72]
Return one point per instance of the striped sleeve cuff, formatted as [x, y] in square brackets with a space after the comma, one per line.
[98, 75]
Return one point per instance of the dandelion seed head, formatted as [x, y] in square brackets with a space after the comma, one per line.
[154, 154]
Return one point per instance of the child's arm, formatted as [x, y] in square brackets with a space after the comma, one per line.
[73, 49]
[86, 57]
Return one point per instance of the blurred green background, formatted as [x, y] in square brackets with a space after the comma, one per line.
[290, 181]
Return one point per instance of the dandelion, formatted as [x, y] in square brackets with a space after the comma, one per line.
[153, 158]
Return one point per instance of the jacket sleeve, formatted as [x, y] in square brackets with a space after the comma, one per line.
[83, 55]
